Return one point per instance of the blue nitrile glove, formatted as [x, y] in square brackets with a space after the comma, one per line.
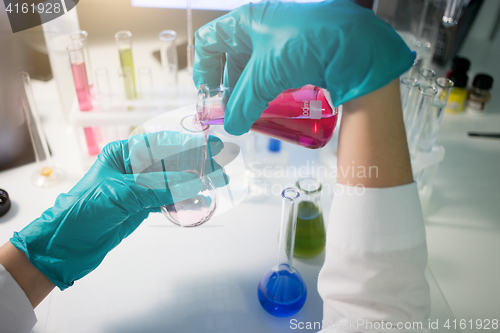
[72, 238]
[274, 46]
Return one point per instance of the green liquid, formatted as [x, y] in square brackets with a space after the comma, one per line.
[126, 60]
[310, 236]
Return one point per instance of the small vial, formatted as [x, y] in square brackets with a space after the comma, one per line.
[458, 94]
[479, 96]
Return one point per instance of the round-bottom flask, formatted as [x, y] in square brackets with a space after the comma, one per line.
[196, 210]
[282, 292]
[199, 208]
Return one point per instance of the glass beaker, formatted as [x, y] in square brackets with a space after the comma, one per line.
[416, 21]
[310, 235]
[47, 174]
[282, 292]
[192, 158]
[124, 44]
[300, 116]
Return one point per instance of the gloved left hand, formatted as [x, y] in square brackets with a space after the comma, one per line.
[129, 180]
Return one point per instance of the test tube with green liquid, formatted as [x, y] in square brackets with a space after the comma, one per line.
[124, 44]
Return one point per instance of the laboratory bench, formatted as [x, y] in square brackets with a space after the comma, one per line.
[164, 278]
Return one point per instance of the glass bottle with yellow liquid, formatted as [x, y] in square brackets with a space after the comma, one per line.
[310, 235]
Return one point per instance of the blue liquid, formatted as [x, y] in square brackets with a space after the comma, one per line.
[282, 293]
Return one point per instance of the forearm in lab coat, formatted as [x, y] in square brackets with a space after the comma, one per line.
[376, 254]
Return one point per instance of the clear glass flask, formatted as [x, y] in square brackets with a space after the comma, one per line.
[124, 43]
[81, 36]
[47, 174]
[77, 60]
[300, 116]
[282, 292]
[168, 55]
[310, 235]
[198, 209]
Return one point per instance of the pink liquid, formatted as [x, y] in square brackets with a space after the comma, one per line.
[288, 118]
[82, 86]
[85, 102]
[92, 139]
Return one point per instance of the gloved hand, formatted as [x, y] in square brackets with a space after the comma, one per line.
[129, 180]
[274, 46]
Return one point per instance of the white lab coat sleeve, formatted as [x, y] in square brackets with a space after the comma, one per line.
[375, 259]
[16, 312]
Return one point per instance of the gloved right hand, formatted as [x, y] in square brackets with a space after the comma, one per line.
[274, 46]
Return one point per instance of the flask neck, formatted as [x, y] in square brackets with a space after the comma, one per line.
[288, 223]
[310, 189]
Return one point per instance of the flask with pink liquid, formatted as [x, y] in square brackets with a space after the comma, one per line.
[300, 116]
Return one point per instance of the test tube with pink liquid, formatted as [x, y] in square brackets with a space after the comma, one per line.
[77, 61]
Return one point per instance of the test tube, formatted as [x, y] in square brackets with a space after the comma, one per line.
[103, 88]
[125, 74]
[426, 76]
[124, 44]
[77, 60]
[434, 116]
[81, 37]
[452, 12]
[168, 53]
[47, 174]
[423, 106]
[409, 93]
[413, 71]
[145, 83]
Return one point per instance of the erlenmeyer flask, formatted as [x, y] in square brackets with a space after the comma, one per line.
[282, 291]
[198, 209]
[310, 236]
[300, 116]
